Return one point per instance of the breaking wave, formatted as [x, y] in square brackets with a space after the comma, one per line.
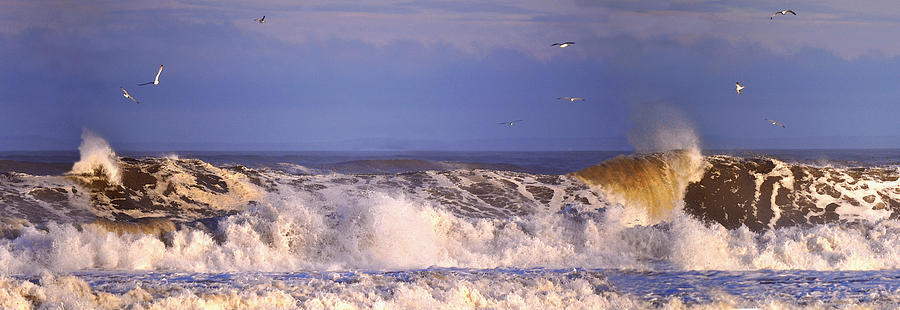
[654, 183]
[672, 210]
[97, 158]
[191, 216]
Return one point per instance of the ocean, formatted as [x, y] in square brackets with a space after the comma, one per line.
[770, 229]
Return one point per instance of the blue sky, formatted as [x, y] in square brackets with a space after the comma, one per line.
[440, 75]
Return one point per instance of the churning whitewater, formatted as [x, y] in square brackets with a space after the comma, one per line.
[445, 235]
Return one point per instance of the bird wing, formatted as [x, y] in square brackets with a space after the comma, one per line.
[578, 99]
[563, 98]
[127, 95]
[570, 42]
[555, 44]
[142, 84]
[518, 120]
[789, 11]
[159, 72]
[264, 18]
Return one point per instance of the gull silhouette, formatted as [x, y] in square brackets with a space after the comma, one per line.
[782, 13]
[511, 123]
[127, 95]
[571, 99]
[155, 81]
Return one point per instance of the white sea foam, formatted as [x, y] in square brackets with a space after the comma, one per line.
[97, 157]
[368, 292]
[394, 232]
[413, 290]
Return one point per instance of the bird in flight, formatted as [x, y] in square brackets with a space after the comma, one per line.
[155, 81]
[571, 99]
[563, 44]
[127, 95]
[776, 123]
[782, 13]
[511, 123]
[738, 87]
[260, 20]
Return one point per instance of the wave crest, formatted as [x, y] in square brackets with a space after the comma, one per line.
[654, 183]
[97, 158]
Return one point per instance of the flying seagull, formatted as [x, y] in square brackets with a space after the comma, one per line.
[127, 95]
[563, 44]
[782, 13]
[260, 20]
[511, 123]
[155, 81]
[738, 87]
[571, 99]
[775, 123]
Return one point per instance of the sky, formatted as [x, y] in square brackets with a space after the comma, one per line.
[441, 75]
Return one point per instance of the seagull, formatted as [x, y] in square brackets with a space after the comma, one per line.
[563, 44]
[738, 87]
[260, 20]
[155, 81]
[127, 95]
[776, 123]
[782, 13]
[571, 99]
[511, 123]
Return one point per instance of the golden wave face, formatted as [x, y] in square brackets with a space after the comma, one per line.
[655, 182]
[150, 226]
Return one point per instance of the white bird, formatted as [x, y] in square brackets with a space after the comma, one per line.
[511, 123]
[782, 13]
[155, 81]
[571, 99]
[776, 123]
[738, 87]
[127, 95]
[260, 20]
[563, 44]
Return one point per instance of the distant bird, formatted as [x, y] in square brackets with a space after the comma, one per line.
[155, 81]
[738, 87]
[782, 13]
[571, 99]
[563, 44]
[260, 20]
[127, 95]
[511, 123]
[776, 123]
